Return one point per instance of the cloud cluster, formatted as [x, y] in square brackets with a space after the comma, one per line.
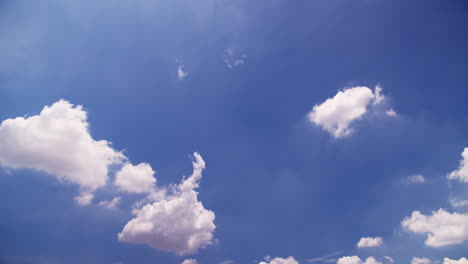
[443, 228]
[367, 242]
[337, 114]
[454, 261]
[177, 223]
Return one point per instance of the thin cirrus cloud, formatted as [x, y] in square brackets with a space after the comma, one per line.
[357, 260]
[443, 228]
[368, 242]
[416, 179]
[178, 223]
[190, 261]
[57, 142]
[289, 260]
[337, 114]
[461, 173]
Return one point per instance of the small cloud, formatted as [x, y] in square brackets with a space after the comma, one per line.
[190, 261]
[391, 112]
[367, 242]
[389, 259]
[416, 179]
[459, 203]
[180, 72]
[84, 199]
[114, 203]
[231, 60]
[417, 260]
[228, 261]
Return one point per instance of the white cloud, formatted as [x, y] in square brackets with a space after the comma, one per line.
[389, 259]
[462, 173]
[135, 179]
[231, 61]
[180, 72]
[417, 260]
[336, 114]
[57, 141]
[458, 203]
[114, 203]
[177, 223]
[416, 179]
[289, 260]
[366, 242]
[357, 260]
[85, 198]
[391, 112]
[190, 261]
[454, 261]
[443, 228]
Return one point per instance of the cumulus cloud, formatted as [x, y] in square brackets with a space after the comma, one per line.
[58, 142]
[135, 179]
[462, 173]
[357, 260]
[417, 260]
[337, 114]
[443, 228]
[190, 261]
[114, 203]
[85, 198]
[416, 179]
[177, 223]
[180, 72]
[367, 242]
[454, 261]
[289, 260]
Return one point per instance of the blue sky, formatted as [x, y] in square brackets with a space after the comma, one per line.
[277, 181]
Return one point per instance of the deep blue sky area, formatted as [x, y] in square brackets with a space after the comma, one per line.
[278, 184]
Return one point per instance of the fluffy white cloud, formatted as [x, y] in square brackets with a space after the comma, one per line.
[190, 261]
[289, 260]
[443, 228]
[366, 242]
[135, 179]
[462, 173]
[454, 261]
[114, 203]
[85, 198]
[417, 260]
[180, 72]
[57, 141]
[357, 260]
[177, 223]
[336, 114]
[416, 179]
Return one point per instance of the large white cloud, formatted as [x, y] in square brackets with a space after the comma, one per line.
[462, 173]
[58, 142]
[177, 223]
[367, 242]
[454, 261]
[357, 260]
[336, 114]
[289, 260]
[136, 179]
[443, 228]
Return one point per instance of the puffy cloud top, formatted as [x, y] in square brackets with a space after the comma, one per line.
[57, 141]
[366, 242]
[443, 228]
[289, 260]
[357, 260]
[462, 173]
[136, 179]
[336, 114]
